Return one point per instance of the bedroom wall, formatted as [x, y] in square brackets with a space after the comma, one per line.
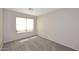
[61, 26]
[10, 26]
[1, 28]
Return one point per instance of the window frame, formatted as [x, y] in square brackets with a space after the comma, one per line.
[26, 24]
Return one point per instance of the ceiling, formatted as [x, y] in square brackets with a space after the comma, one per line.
[33, 11]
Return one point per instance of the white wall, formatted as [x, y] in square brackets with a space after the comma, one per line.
[1, 27]
[61, 26]
[10, 26]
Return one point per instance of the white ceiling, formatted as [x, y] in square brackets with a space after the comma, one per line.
[35, 11]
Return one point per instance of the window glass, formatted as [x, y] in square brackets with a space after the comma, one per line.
[30, 25]
[21, 24]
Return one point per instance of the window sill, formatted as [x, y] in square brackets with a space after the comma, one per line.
[20, 32]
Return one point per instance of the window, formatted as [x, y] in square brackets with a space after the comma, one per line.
[30, 25]
[24, 25]
[20, 24]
